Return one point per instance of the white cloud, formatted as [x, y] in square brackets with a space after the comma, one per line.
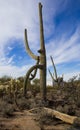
[10, 59]
[67, 76]
[16, 15]
[10, 48]
[13, 71]
[64, 50]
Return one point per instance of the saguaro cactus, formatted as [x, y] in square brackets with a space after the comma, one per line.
[41, 60]
[54, 76]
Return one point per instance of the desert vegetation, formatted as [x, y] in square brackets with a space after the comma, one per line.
[64, 99]
[23, 102]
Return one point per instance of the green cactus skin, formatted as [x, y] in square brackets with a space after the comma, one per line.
[28, 74]
[35, 71]
[41, 60]
[27, 47]
[42, 56]
[32, 68]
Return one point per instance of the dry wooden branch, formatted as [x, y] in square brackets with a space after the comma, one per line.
[34, 109]
[74, 120]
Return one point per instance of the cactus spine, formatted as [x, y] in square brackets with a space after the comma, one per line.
[41, 60]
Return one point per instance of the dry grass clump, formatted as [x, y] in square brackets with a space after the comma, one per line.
[23, 103]
[6, 110]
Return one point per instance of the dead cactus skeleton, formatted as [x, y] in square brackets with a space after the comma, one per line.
[54, 76]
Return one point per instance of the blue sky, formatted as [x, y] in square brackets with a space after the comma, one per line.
[61, 31]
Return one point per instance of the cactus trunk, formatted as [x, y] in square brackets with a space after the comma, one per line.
[42, 57]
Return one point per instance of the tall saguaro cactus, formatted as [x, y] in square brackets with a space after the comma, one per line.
[42, 56]
[41, 60]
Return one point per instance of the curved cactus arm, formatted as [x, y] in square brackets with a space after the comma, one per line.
[27, 47]
[52, 76]
[55, 72]
[27, 77]
[35, 71]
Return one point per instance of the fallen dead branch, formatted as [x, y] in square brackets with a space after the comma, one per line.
[34, 109]
[74, 120]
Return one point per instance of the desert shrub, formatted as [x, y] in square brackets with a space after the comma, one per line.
[49, 88]
[6, 110]
[23, 103]
[35, 89]
[73, 128]
[44, 119]
[8, 99]
[21, 79]
[2, 92]
[5, 78]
